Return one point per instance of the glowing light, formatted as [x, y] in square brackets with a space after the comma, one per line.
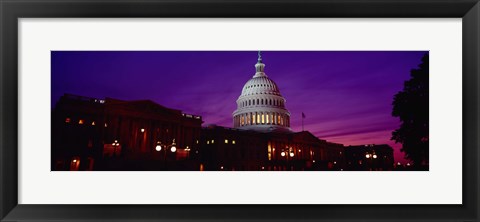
[374, 156]
[221, 167]
[313, 161]
[233, 141]
[367, 156]
[75, 160]
[299, 151]
[105, 125]
[292, 154]
[158, 147]
[226, 141]
[408, 164]
[334, 162]
[80, 121]
[263, 167]
[67, 120]
[283, 153]
[93, 123]
[173, 149]
[213, 141]
[399, 163]
[142, 130]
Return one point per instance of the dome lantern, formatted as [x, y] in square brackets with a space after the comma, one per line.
[259, 67]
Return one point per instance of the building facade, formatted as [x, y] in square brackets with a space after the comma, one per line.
[236, 149]
[111, 134]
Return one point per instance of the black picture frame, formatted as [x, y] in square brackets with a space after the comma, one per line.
[11, 11]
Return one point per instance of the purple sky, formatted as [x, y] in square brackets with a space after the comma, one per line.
[346, 96]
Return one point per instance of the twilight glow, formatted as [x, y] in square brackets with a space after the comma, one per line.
[346, 96]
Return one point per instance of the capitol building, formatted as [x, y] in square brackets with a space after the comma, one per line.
[261, 107]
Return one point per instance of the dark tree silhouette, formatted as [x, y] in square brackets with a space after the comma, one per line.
[411, 106]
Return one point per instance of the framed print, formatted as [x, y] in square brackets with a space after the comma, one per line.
[270, 110]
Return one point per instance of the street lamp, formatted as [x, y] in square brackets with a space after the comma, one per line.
[287, 152]
[371, 156]
[158, 147]
[173, 149]
[115, 144]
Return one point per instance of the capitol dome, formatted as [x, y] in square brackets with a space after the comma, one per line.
[261, 107]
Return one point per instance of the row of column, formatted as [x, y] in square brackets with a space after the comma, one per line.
[262, 118]
[250, 102]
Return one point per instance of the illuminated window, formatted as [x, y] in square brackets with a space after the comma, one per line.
[266, 117]
[93, 123]
[67, 120]
[208, 142]
[233, 141]
[278, 119]
[213, 141]
[80, 121]
[258, 118]
[263, 118]
[226, 141]
[197, 141]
